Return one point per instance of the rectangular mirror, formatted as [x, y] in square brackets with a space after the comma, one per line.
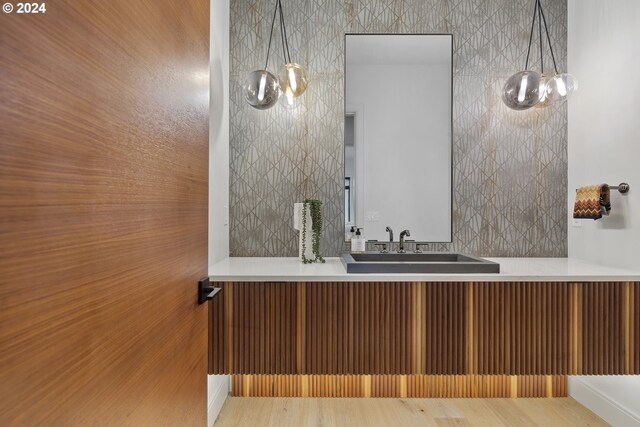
[398, 135]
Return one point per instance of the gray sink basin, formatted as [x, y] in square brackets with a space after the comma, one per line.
[427, 262]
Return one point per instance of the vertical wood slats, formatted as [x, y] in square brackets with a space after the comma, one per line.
[494, 328]
[218, 333]
[521, 328]
[378, 340]
[325, 341]
[603, 328]
[634, 328]
[575, 310]
[399, 386]
[443, 328]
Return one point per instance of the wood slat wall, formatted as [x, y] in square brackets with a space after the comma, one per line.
[408, 330]
[399, 386]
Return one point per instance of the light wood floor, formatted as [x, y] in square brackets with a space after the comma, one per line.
[283, 412]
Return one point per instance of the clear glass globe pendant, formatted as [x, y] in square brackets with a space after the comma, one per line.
[293, 79]
[522, 90]
[262, 89]
[528, 88]
[556, 89]
[561, 87]
[545, 98]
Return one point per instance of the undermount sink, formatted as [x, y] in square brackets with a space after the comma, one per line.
[427, 262]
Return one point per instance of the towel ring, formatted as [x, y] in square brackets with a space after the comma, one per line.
[622, 188]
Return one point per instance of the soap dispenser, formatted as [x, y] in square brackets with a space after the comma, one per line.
[358, 242]
[351, 233]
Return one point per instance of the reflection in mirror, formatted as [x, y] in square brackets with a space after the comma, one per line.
[398, 91]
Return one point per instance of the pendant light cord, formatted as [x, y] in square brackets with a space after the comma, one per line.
[533, 24]
[538, 13]
[540, 36]
[283, 30]
[283, 35]
[553, 56]
[273, 21]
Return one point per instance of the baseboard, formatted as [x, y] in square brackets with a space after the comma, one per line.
[601, 405]
[218, 390]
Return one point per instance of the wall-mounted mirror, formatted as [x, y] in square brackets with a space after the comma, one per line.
[398, 134]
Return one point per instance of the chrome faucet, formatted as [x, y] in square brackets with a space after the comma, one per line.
[401, 246]
[390, 231]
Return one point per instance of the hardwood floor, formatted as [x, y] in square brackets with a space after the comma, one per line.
[326, 412]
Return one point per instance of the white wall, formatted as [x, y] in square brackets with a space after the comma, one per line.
[218, 385]
[604, 147]
[604, 125]
[406, 148]
[219, 133]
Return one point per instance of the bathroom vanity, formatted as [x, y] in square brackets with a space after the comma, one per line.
[282, 328]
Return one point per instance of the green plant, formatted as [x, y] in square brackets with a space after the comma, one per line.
[315, 209]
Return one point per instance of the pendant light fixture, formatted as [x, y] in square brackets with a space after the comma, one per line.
[293, 77]
[530, 88]
[263, 89]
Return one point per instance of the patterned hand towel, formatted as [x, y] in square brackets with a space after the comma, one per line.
[605, 199]
[592, 202]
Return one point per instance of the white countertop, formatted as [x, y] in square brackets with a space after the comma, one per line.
[511, 270]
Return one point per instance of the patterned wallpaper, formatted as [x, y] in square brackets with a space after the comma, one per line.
[510, 168]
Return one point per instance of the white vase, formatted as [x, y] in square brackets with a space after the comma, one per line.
[299, 224]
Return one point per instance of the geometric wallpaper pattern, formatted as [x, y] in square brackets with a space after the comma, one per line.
[509, 168]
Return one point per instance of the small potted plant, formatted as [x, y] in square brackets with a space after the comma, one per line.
[308, 220]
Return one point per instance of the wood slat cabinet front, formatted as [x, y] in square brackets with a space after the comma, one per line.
[426, 328]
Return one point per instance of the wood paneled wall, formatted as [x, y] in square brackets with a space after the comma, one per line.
[413, 330]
